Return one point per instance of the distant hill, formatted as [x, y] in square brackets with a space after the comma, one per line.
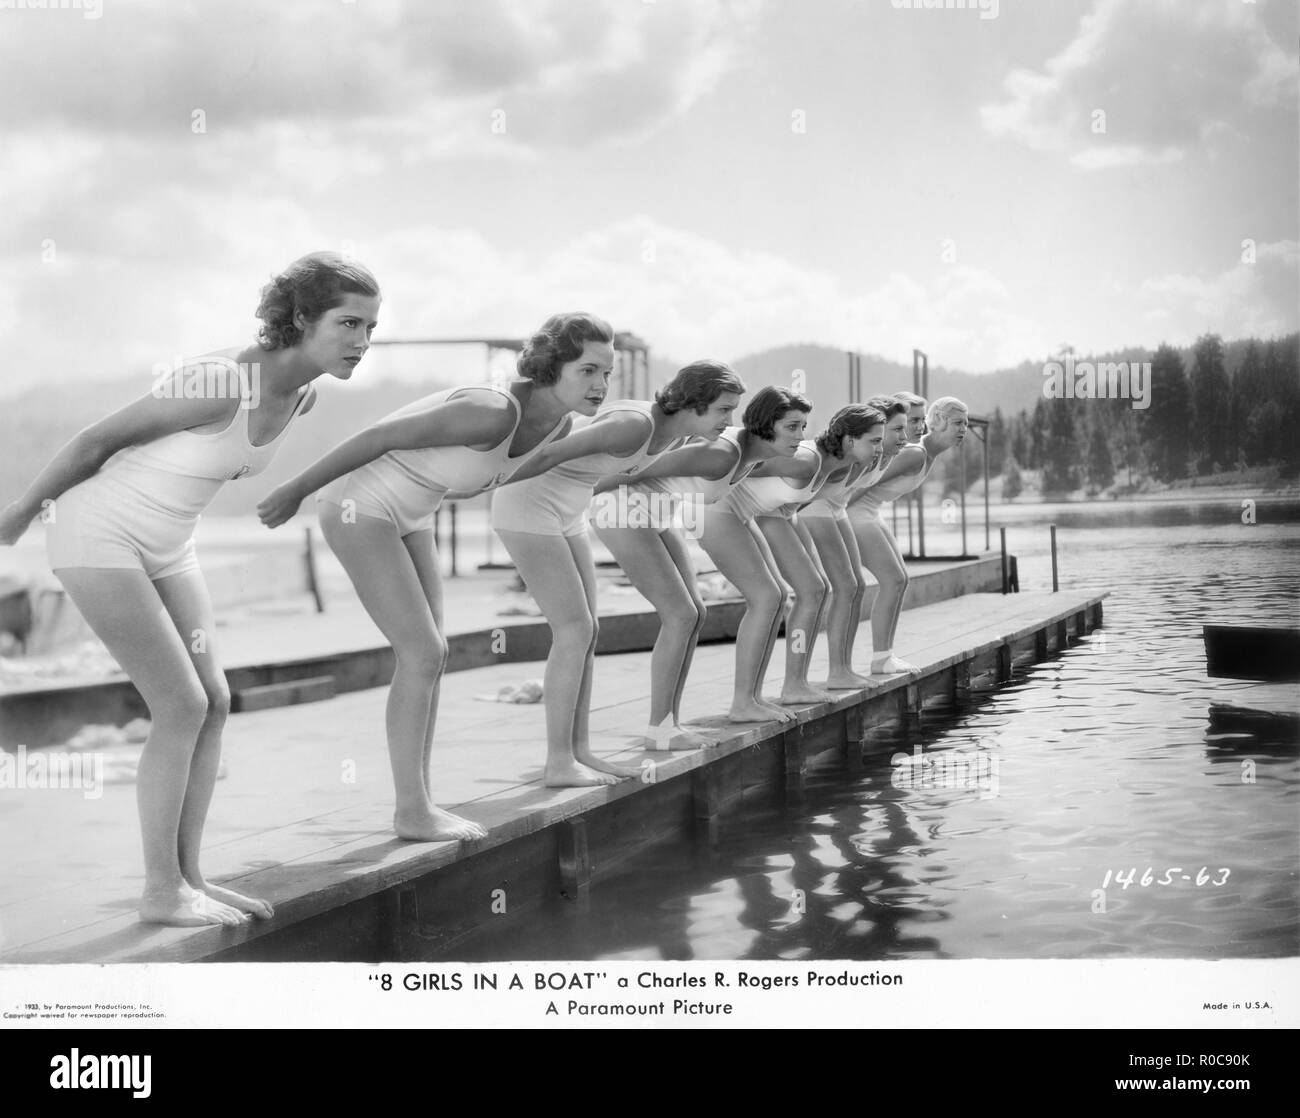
[36, 422]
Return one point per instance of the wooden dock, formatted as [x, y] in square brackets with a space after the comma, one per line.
[305, 657]
[303, 816]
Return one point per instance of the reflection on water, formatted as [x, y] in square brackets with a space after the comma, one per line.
[1008, 830]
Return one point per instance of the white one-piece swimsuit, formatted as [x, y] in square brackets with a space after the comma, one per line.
[867, 507]
[832, 500]
[140, 510]
[662, 496]
[407, 486]
[553, 502]
[773, 496]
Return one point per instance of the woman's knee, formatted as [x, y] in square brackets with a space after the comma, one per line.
[425, 658]
[683, 616]
[576, 633]
[765, 597]
[218, 696]
[183, 709]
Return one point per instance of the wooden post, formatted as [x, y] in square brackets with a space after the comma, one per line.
[1056, 582]
[1002, 534]
[574, 858]
[961, 681]
[793, 759]
[399, 910]
[704, 802]
[1004, 663]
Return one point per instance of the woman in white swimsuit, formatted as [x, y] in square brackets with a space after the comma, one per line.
[730, 535]
[120, 503]
[540, 516]
[854, 437]
[635, 521]
[377, 495]
[771, 496]
[881, 555]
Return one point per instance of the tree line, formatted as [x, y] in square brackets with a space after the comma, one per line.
[1213, 408]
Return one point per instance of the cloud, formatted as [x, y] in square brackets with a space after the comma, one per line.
[422, 74]
[1258, 299]
[99, 312]
[1169, 77]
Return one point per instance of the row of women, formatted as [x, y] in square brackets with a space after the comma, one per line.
[777, 511]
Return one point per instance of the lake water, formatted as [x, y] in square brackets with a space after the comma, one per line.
[1014, 838]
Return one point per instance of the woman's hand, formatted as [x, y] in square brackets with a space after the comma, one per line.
[279, 505]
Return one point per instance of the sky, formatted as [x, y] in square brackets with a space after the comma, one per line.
[985, 182]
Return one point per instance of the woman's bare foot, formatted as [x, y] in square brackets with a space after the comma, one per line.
[251, 905]
[572, 774]
[754, 711]
[187, 908]
[432, 824]
[584, 756]
[673, 738]
[846, 681]
[890, 665]
[793, 693]
[779, 712]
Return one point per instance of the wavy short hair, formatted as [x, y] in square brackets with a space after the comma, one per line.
[697, 386]
[911, 399]
[888, 406]
[768, 408]
[312, 284]
[559, 341]
[944, 408]
[851, 421]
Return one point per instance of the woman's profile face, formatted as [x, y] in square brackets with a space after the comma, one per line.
[583, 383]
[340, 337]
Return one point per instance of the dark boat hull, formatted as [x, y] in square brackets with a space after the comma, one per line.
[1252, 652]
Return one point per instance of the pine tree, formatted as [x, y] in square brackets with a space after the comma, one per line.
[1211, 406]
[1101, 463]
[1166, 424]
[1061, 457]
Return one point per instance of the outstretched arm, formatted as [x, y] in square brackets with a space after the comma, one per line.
[802, 467]
[150, 417]
[482, 418]
[619, 435]
[707, 460]
[910, 460]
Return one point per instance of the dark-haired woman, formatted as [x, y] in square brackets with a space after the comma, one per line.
[770, 497]
[120, 503]
[853, 437]
[636, 523]
[378, 493]
[730, 535]
[540, 517]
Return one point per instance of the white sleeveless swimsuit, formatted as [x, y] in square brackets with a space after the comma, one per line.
[553, 502]
[407, 486]
[141, 508]
[773, 496]
[867, 507]
[663, 496]
[833, 499]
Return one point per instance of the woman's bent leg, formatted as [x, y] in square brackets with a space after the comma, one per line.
[126, 613]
